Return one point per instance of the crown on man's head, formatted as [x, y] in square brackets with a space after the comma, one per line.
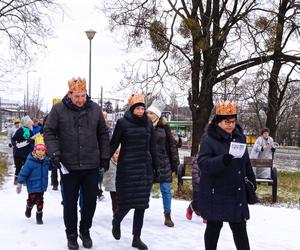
[136, 98]
[77, 84]
[226, 108]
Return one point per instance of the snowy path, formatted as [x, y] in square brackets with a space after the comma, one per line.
[269, 228]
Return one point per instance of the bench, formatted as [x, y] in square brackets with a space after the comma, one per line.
[272, 181]
[182, 172]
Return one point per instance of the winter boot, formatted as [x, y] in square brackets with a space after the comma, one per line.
[189, 213]
[39, 217]
[168, 220]
[72, 241]
[116, 230]
[86, 239]
[55, 187]
[28, 211]
[137, 243]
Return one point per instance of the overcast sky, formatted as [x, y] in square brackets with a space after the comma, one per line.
[67, 54]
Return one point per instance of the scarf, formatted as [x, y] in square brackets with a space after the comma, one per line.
[26, 133]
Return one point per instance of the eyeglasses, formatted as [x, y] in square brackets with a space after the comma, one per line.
[228, 122]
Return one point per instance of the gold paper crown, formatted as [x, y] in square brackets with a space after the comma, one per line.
[77, 84]
[226, 108]
[39, 139]
[136, 98]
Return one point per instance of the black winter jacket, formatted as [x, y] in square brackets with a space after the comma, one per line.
[79, 136]
[136, 161]
[222, 194]
[167, 153]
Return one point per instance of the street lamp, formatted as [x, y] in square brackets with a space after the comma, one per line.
[90, 35]
[235, 81]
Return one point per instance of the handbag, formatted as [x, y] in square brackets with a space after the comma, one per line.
[250, 192]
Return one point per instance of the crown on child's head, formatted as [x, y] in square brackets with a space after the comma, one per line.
[226, 108]
[39, 142]
[77, 84]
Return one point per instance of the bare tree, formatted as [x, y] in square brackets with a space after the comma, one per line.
[24, 27]
[204, 40]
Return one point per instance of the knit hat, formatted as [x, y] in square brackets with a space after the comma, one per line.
[225, 110]
[77, 84]
[136, 100]
[26, 121]
[156, 107]
[39, 143]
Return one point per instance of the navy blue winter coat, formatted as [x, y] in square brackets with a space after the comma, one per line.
[35, 173]
[136, 161]
[222, 195]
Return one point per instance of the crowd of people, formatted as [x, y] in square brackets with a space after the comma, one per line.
[140, 150]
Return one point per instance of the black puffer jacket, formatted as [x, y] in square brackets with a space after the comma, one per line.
[78, 135]
[136, 161]
[167, 153]
[222, 194]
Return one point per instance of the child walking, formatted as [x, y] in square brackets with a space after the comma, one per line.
[109, 180]
[35, 174]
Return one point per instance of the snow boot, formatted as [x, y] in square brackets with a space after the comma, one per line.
[39, 217]
[137, 243]
[28, 211]
[168, 220]
[86, 239]
[55, 187]
[16, 180]
[72, 241]
[189, 213]
[116, 230]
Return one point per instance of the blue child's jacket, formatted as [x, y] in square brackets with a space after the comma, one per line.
[35, 173]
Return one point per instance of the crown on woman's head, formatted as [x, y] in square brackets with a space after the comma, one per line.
[77, 84]
[136, 98]
[226, 108]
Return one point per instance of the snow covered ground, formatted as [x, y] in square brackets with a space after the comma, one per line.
[270, 228]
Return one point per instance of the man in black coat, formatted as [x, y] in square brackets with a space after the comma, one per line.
[222, 195]
[77, 140]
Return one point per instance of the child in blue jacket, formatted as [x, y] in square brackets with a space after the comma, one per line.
[35, 174]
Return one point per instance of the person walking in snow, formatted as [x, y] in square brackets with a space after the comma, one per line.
[224, 163]
[35, 174]
[263, 148]
[77, 140]
[167, 153]
[23, 144]
[136, 164]
[194, 206]
[109, 180]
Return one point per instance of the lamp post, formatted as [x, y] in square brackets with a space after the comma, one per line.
[235, 81]
[90, 35]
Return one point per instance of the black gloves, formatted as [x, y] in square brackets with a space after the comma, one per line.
[262, 149]
[104, 164]
[55, 159]
[273, 150]
[227, 158]
[10, 145]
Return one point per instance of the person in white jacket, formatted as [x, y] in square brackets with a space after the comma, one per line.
[263, 148]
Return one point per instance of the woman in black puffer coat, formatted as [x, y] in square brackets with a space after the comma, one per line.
[168, 159]
[222, 196]
[135, 168]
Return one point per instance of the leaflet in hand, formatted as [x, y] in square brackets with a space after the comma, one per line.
[63, 169]
[237, 149]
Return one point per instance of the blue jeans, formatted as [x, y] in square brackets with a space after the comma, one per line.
[165, 189]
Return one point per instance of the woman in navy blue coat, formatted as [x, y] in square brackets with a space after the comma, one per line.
[137, 163]
[222, 196]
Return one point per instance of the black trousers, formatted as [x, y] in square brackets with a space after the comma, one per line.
[72, 182]
[138, 219]
[19, 162]
[239, 232]
[54, 175]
